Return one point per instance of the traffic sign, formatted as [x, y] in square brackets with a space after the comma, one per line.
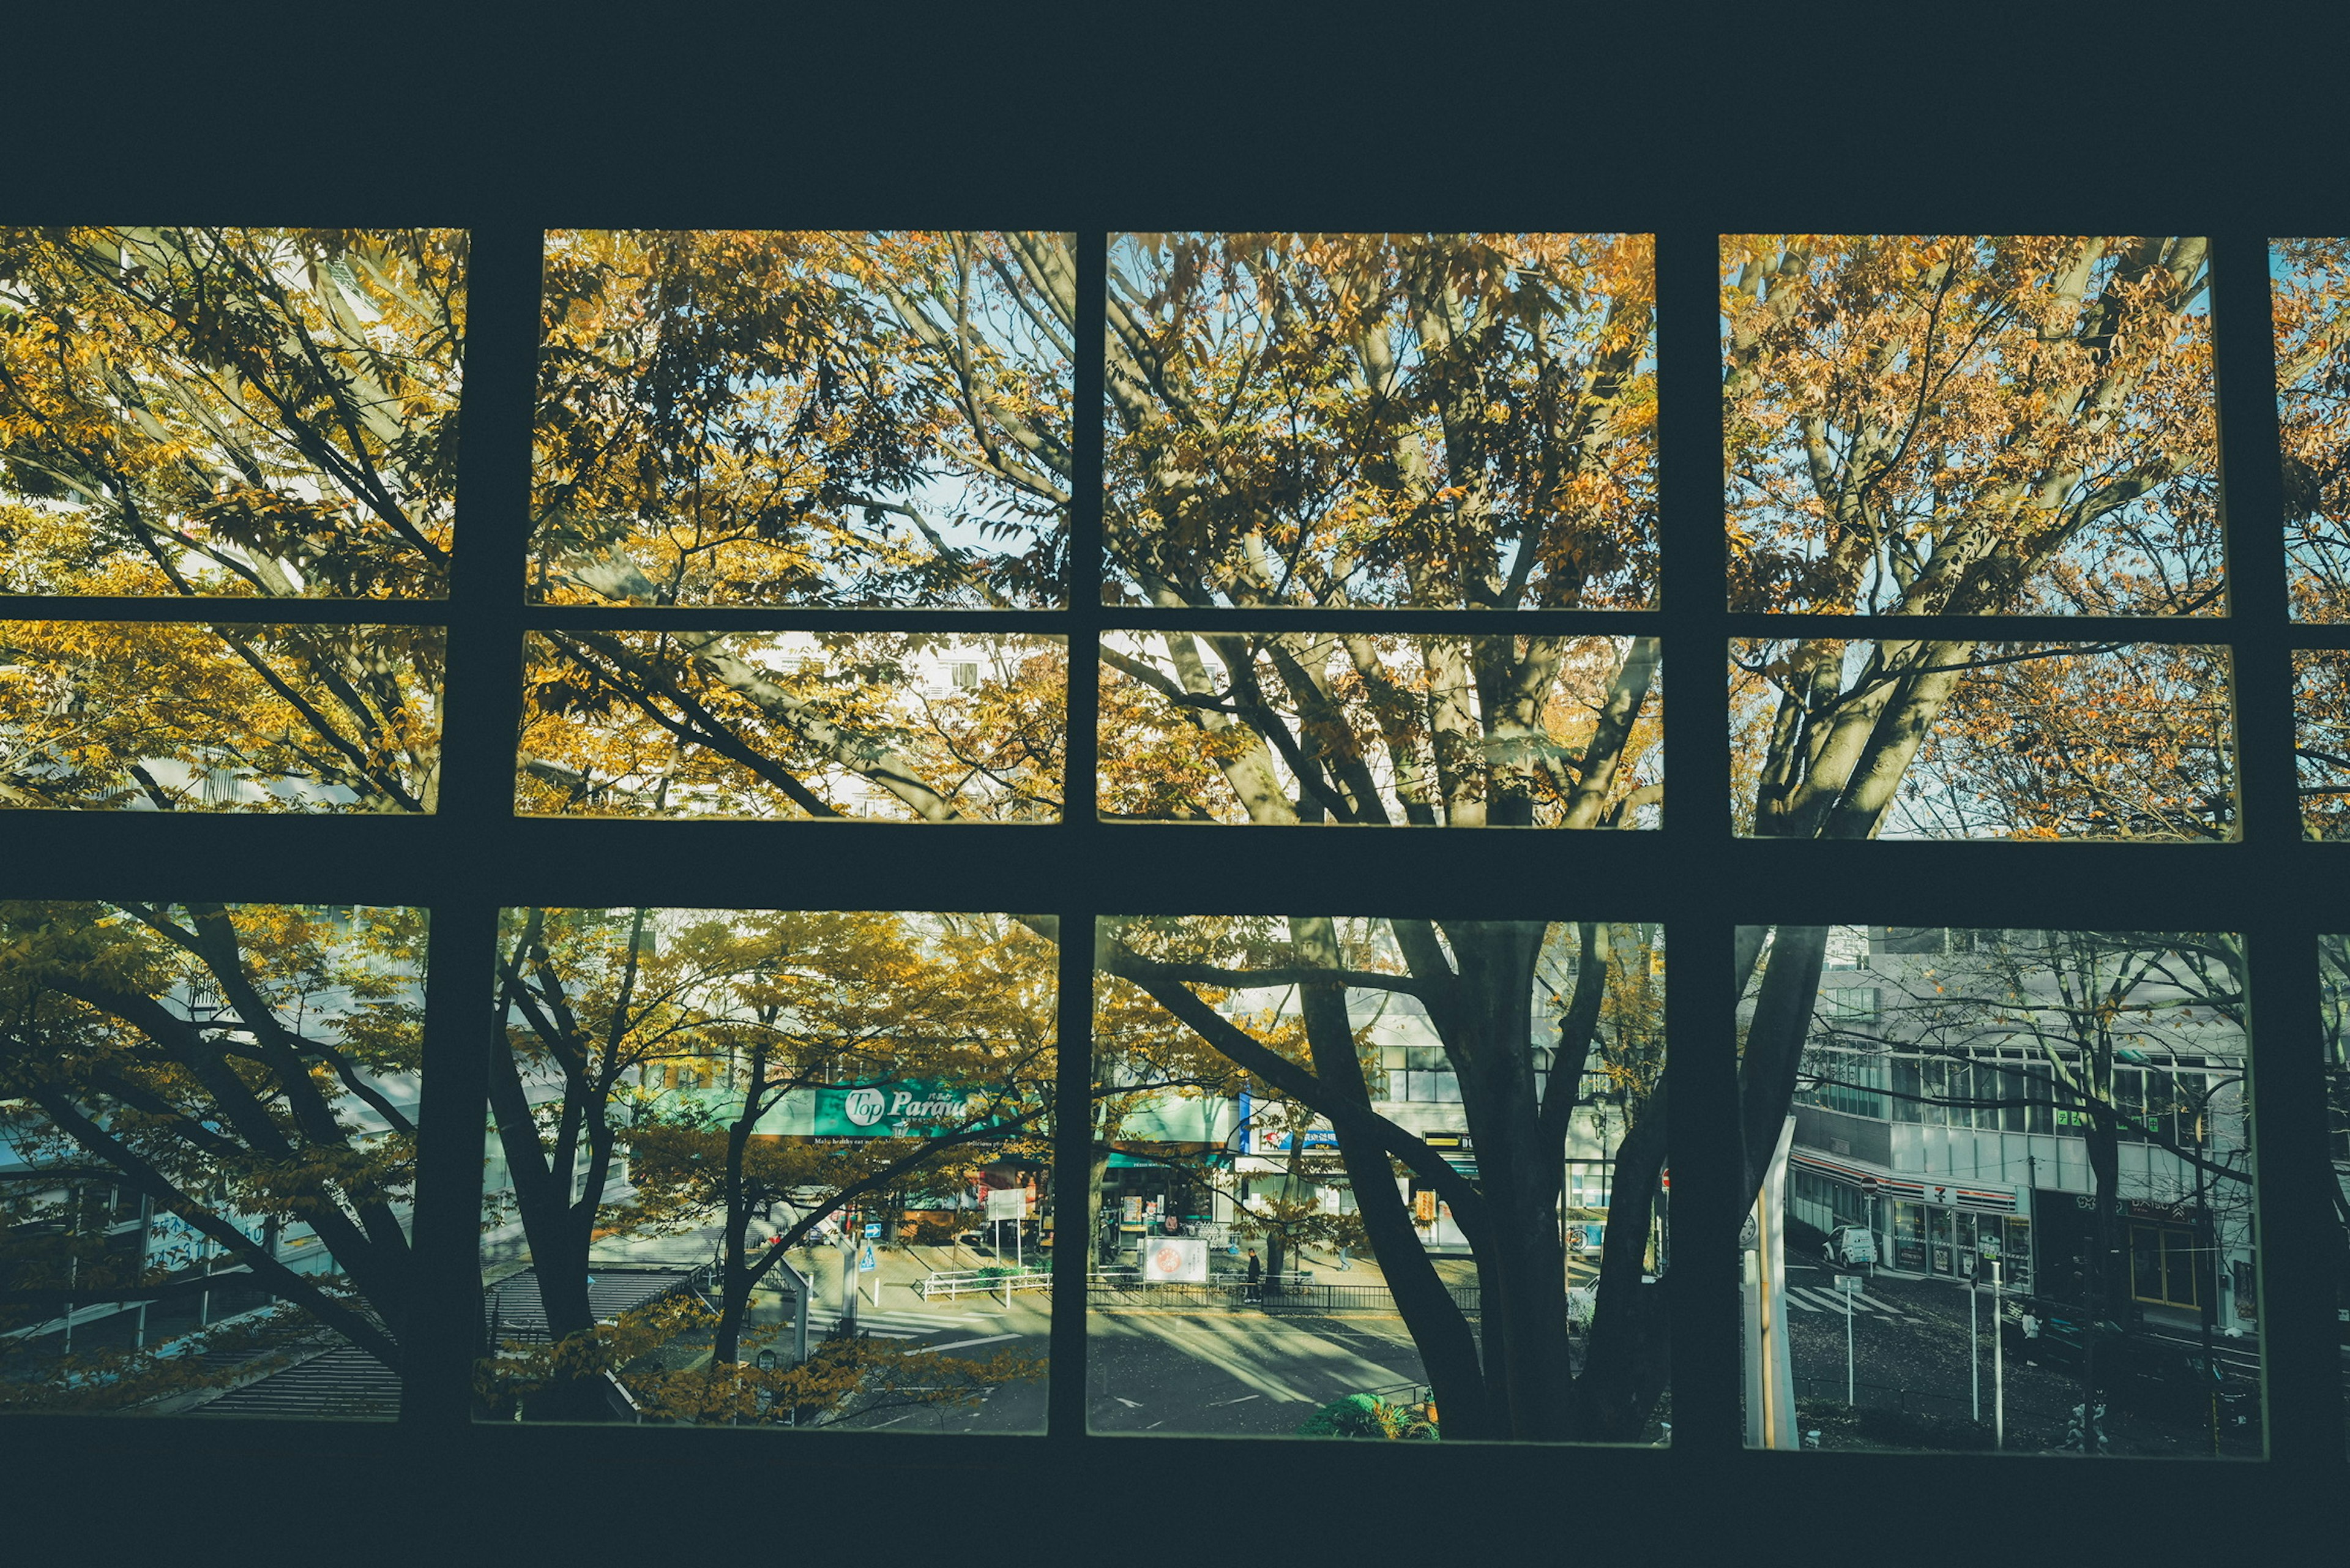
[873, 1230]
[865, 1263]
[1848, 1284]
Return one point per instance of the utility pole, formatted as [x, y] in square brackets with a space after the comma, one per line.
[1998, 1366]
[2207, 1244]
[1974, 1339]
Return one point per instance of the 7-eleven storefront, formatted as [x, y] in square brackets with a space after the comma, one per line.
[1937, 1229]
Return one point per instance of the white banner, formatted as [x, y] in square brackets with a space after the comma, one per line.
[1174, 1260]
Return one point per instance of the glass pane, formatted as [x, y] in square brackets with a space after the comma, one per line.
[1445, 420]
[2333, 1000]
[207, 1157]
[770, 1167]
[183, 716]
[2309, 280]
[1283, 1248]
[1969, 424]
[2321, 711]
[930, 727]
[267, 413]
[1323, 727]
[743, 417]
[1961, 740]
[1991, 1283]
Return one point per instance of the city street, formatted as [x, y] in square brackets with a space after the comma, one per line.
[1910, 1357]
[1152, 1369]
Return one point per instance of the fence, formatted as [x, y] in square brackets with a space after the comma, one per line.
[1123, 1287]
[1274, 1295]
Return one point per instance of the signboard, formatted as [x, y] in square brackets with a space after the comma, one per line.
[1175, 1260]
[872, 1231]
[1848, 1285]
[893, 1110]
[865, 1262]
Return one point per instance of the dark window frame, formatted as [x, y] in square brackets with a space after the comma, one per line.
[1694, 875]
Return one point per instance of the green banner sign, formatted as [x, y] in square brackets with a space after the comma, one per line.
[894, 1110]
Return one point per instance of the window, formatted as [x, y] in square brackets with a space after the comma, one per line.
[993, 657]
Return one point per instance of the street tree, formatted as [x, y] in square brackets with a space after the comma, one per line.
[2086, 1026]
[244, 1069]
[1916, 425]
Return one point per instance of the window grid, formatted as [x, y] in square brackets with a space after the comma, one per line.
[1695, 876]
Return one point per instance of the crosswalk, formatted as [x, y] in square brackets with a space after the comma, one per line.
[1811, 1298]
[883, 1324]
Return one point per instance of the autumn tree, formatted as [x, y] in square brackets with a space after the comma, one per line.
[244, 1068]
[1916, 425]
[239, 415]
[849, 1001]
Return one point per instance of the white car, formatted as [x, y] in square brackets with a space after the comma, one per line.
[1850, 1247]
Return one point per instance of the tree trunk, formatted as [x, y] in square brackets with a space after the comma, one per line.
[735, 1280]
[1448, 1350]
[1627, 1357]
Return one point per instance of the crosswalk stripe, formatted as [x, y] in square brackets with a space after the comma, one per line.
[1796, 1297]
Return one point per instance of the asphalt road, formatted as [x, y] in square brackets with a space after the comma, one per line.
[1910, 1352]
[1205, 1371]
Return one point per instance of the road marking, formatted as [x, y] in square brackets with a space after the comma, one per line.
[967, 1343]
[1889, 1310]
[1241, 1400]
[891, 1422]
[1795, 1297]
[1158, 1423]
[1130, 1404]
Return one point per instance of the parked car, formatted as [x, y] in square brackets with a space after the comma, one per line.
[1850, 1247]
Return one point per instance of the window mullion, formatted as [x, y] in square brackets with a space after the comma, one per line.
[1080, 828]
[2300, 1237]
[1701, 1066]
[472, 821]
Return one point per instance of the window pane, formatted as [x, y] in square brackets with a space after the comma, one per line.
[1354, 420]
[1261, 1268]
[2321, 711]
[257, 412]
[2060, 741]
[1297, 727]
[207, 1157]
[817, 1149]
[183, 716]
[1969, 424]
[2308, 281]
[740, 417]
[2005, 1279]
[2334, 1000]
[792, 724]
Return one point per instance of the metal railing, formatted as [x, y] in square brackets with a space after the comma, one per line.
[1273, 1295]
[961, 1282]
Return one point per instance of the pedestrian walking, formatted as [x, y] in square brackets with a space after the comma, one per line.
[1255, 1274]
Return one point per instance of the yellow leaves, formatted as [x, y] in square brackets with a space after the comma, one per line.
[1922, 390]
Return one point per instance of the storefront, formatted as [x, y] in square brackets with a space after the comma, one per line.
[1938, 1229]
[1143, 1196]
